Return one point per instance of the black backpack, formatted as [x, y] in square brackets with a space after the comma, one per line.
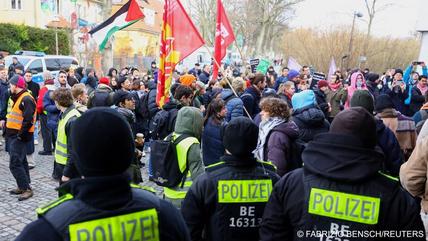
[101, 98]
[420, 124]
[164, 162]
[145, 106]
[163, 124]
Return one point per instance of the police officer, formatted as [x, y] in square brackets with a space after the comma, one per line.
[20, 123]
[227, 201]
[102, 205]
[64, 102]
[340, 192]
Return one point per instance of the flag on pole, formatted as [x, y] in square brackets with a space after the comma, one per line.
[332, 68]
[223, 36]
[179, 38]
[127, 15]
[292, 64]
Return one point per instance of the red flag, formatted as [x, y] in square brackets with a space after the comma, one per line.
[223, 36]
[179, 39]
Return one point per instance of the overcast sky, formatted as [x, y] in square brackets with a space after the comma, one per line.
[398, 20]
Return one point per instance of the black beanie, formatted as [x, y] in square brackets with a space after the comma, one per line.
[240, 137]
[102, 142]
[356, 122]
[398, 71]
[364, 99]
[121, 95]
[383, 102]
[372, 77]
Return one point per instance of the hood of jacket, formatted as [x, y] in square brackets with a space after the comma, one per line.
[311, 116]
[172, 104]
[58, 85]
[152, 85]
[189, 121]
[104, 88]
[341, 158]
[288, 128]
[226, 93]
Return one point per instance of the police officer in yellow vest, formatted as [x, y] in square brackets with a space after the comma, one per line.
[227, 201]
[64, 102]
[341, 193]
[19, 131]
[102, 205]
[189, 122]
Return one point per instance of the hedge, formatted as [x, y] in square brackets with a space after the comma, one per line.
[20, 37]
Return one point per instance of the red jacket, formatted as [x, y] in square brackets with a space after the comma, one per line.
[39, 105]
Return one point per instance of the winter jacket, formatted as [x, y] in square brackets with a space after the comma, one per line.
[209, 219]
[413, 173]
[278, 148]
[339, 177]
[373, 89]
[321, 98]
[287, 99]
[102, 96]
[28, 108]
[387, 141]
[4, 96]
[70, 169]
[398, 99]
[416, 102]
[251, 99]
[417, 117]
[212, 142]
[72, 80]
[204, 77]
[234, 105]
[52, 112]
[34, 89]
[111, 194]
[337, 100]
[311, 121]
[152, 106]
[280, 80]
[353, 87]
[403, 127]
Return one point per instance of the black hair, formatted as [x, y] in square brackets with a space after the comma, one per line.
[182, 90]
[213, 109]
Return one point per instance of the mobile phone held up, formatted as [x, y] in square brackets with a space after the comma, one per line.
[417, 62]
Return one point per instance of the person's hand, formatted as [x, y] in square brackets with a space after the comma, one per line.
[65, 179]
[202, 108]
[403, 86]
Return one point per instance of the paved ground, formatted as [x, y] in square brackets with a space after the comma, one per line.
[14, 215]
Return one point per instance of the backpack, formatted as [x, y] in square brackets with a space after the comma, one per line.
[163, 124]
[100, 98]
[145, 106]
[424, 117]
[164, 162]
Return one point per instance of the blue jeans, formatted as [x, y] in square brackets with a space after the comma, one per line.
[18, 164]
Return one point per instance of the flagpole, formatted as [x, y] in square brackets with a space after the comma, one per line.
[224, 77]
[240, 52]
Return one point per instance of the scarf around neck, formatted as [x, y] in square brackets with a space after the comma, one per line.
[264, 129]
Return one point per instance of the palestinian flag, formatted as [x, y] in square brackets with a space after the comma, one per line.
[127, 15]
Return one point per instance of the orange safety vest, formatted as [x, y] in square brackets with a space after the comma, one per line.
[15, 118]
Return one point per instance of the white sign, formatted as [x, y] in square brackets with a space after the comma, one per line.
[149, 16]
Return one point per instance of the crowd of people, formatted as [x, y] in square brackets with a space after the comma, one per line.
[263, 155]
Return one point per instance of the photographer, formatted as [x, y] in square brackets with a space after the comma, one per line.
[398, 91]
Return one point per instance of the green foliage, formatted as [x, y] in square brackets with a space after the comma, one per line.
[20, 37]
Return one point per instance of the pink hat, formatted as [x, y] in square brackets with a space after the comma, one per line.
[18, 81]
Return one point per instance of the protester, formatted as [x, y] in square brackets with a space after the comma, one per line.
[195, 71]
[417, 95]
[357, 83]
[374, 84]
[103, 156]
[276, 134]
[205, 75]
[402, 126]
[336, 96]
[398, 92]
[307, 116]
[286, 91]
[210, 210]
[4, 96]
[386, 139]
[212, 147]
[102, 96]
[301, 200]
[47, 133]
[281, 79]
[321, 97]
[19, 136]
[124, 83]
[252, 95]
[189, 122]
[422, 115]
[234, 104]
[71, 77]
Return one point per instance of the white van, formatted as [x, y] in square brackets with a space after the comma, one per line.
[38, 62]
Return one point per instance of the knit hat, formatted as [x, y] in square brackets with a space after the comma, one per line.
[372, 77]
[364, 99]
[303, 99]
[104, 80]
[20, 67]
[18, 81]
[240, 137]
[187, 79]
[100, 149]
[356, 122]
[121, 95]
[383, 102]
[322, 83]
[121, 80]
[292, 73]
[398, 71]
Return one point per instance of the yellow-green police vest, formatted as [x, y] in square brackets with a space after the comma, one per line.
[182, 149]
[61, 141]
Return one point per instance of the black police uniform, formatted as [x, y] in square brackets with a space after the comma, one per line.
[227, 202]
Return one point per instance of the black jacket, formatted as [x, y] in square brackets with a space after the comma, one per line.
[251, 99]
[321, 98]
[34, 88]
[347, 173]
[204, 77]
[109, 194]
[152, 106]
[311, 121]
[28, 108]
[209, 219]
[4, 96]
[416, 102]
